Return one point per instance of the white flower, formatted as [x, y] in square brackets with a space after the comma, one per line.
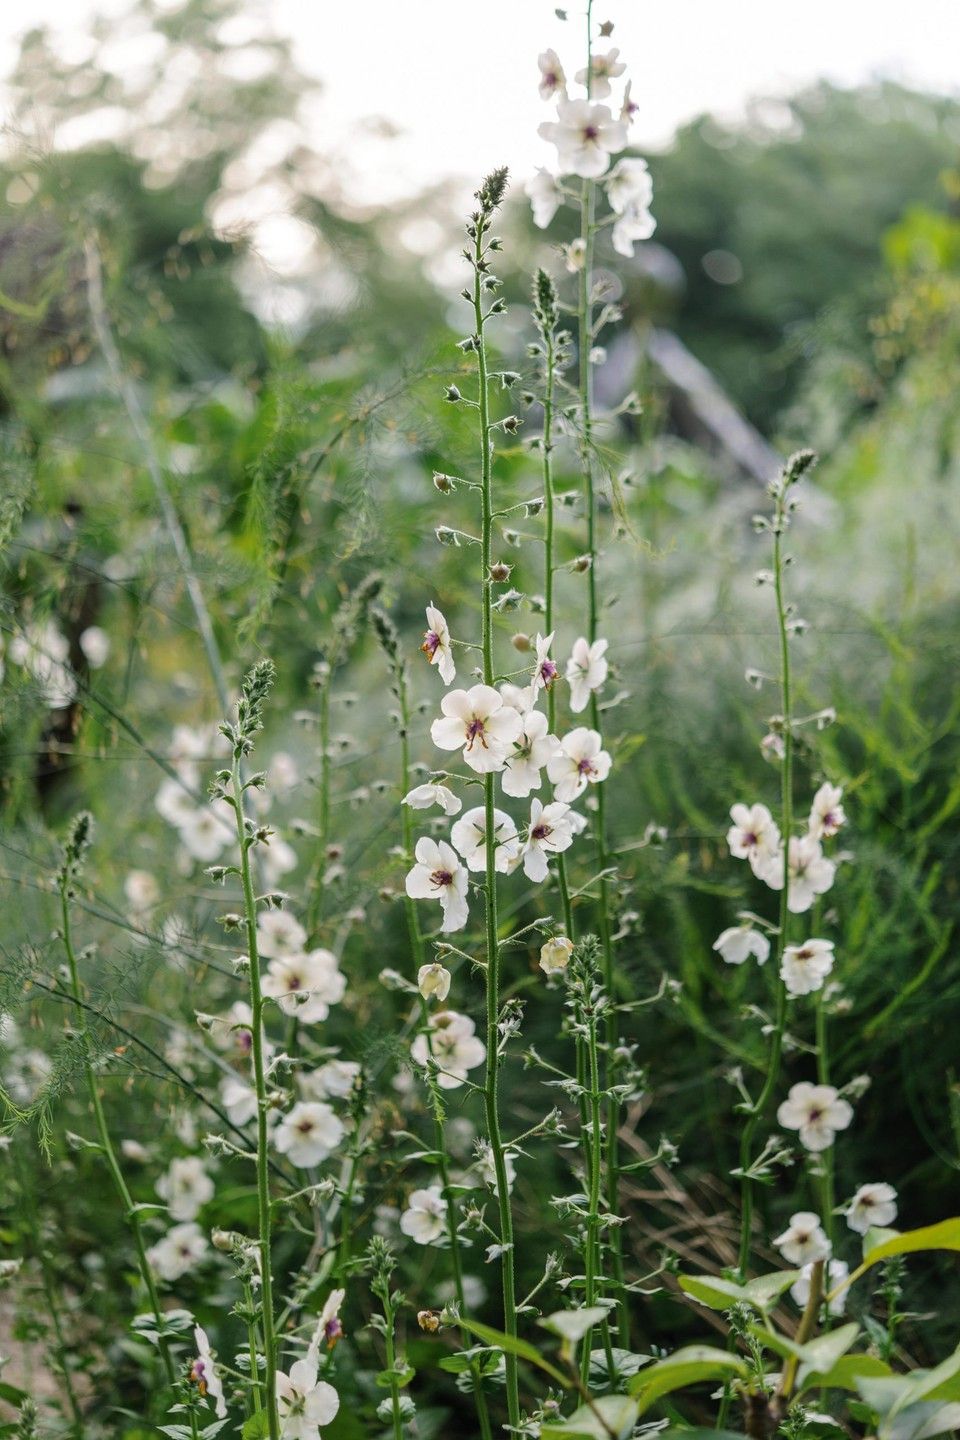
[629, 186]
[204, 833]
[629, 228]
[735, 944]
[95, 644]
[438, 875]
[203, 1373]
[531, 751]
[329, 1329]
[811, 873]
[817, 1111]
[545, 670]
[436, 645]
[308, 1133]
[238, 1099]
[545, 197]
[142, 890]
[585, 136]
[305, 984]
[519, 697]
[804, 968]
[180, 1250]
[804, 1239]
[454, 1046]
[278, 859]
[552, 77]
[433, 980]
[836, 1271]
[575, 255]
[578, 761]
[174, 803]
[487, 1170]
[186, 1187]
[754, 836]
[421, 797]
[603, 69]
[304, 1403]
[548, 833]
[282, 772]
[469, 836]
[279, 933]
[43, 651]
[873, 1205]
[586, 671]
[555, 955]
[334, 1080]
[232, 1030]
[826, 814]
[629, 107]
[424, 1219]
[478, 721]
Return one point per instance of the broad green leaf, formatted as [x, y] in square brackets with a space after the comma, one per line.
[945, 1235]
[689, 1366]
[256, 1427]
[611, 1414]
[678, 1432]
[719, 1294]
[849, 1369]
[923, 1384]
[821, 1353]
[513, 1346]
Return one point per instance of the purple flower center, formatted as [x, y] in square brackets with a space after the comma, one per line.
[475, 731]
[590, 132]
[431, 644]
[333, 1331]
[585, 766]
[540, 832]
[548, 672]
[440, 878]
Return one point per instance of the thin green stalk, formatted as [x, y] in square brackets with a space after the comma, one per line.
[491, 1098]
[826, 1157]
[106, 1143]
[391, 1368]
[252, 1347]
[439, 1141]
[315, 886]
[245, 842]
[611, 1027]
[775, 1051]
[593, 1211]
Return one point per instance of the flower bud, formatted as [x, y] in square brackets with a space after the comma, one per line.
[500, 571]
[433, 980]
[429, 1320]
[520, 642]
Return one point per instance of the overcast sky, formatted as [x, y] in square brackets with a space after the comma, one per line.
[465, 102]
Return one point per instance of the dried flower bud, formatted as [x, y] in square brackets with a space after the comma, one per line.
[429, 1320]
[520, 642]
[500, 571]
[582, 564]
[446, 484]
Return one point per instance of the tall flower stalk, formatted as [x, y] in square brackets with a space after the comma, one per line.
[390, 641]
[781, 490]
[489, 197]
[231, 787]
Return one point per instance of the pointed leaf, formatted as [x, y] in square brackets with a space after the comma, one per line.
[611, 1415]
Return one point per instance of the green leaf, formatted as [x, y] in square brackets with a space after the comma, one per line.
[718, 1294]
[689, 1366]
[513, 1346]
[611, 1415]
[256, 1427]
[821, 1354]
[851, 1368]
[572, 1325]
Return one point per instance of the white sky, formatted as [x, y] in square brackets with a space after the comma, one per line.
[465, 102]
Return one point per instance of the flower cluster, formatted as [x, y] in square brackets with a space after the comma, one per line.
[587, 134]
[499, 730]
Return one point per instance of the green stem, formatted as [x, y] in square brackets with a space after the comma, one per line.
[775, 1052]
[109, 1153]
[491, 1099]
[315, 888]
[391, 1366]
[259, 1079]
[611, 1028]
[826, 1157]
[593, 1211]
[252, 1347]
[419, 958]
